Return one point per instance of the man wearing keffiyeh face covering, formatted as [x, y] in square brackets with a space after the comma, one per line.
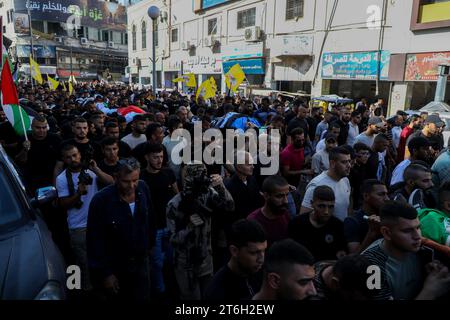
[189, 216]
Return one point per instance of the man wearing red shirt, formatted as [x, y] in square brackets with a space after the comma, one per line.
[415, 123]
[292, 158]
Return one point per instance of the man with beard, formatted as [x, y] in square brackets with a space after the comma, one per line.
[431, 132]
[112, 130]
[367, 137]
[344, 119]
[358, 172]
[76, 188]
[336, 178]
[288, 273]
[274, 215]
[163, 187]
[88, 149]
[137, 136]
[292, 158]
[417, 187]
[419, 148]
[353, 127]
[363, 227]
[320, 160]
[120, 236]
[319, 231]
[240, 278]
[407, 270]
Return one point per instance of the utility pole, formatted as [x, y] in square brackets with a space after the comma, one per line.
[31, 41]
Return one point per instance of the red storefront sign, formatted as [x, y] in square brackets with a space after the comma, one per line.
[424, 66]
[66, 73]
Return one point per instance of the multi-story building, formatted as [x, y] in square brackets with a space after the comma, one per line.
[318, 46]
[85, 38]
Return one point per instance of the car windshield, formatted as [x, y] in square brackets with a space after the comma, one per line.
[10, 210]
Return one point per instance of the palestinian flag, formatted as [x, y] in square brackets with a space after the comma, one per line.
[16, 115]
[129, 112]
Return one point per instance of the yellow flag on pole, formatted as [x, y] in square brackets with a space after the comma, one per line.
[206, 89]
[234, 77]
[70, 87]
[35, 71]
[64, 86]
[54, 84]
[191, 82]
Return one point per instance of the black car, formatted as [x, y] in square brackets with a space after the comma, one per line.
[31, 266]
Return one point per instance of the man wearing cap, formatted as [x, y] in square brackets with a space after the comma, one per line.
[320, 160]
[373, 128]
[420, 150]
[431, 132]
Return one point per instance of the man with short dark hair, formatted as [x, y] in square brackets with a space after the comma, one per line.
[240, 279]
[292, 158]
[415, 123]
[431, 131]
[419, 148]
[265, 111]
[321, 160]
[376, 164]
[400, 258]
[374, 127]
[137, 137]
[344, 279]
[333, 129]
[288, 273]
[274, 215]
[343, 122]
[120, 235]
[112, 130]
[319, 230]
[358, 172]
[353, 127]
[359, 232]
[336, 178]
[299, 121]
[109, 163]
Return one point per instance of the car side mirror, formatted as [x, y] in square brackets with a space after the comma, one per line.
[43, 196]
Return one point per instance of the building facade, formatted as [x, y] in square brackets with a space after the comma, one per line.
[365, 48]
[85, 38]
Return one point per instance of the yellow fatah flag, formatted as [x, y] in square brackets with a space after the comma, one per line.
[179, 79]
[191, 82]
[213, 84]
[206, 90]
[70, 87]
[54, 84]
[234, 77]
[35, 71]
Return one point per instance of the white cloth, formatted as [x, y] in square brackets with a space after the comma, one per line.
[77, 218]
[101, 106]
[363, 138]
[396, 132]
[353, 132]
[397, 175]
[341, 190]
[320, 162]
[320, 145]
[133, 141]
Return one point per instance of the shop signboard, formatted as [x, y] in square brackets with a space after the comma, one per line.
[249, 66]
[242, 51]
[424, 66]
[40, 51]
[355, 65]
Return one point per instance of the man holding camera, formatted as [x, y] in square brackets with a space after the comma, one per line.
[76, 187]
[189, 216]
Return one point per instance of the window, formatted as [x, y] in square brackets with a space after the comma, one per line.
[133, 37]
[126, 38]
[105, 35]
[430, 14]
[174, 35]
[294, 9]
[37, 25]
[156, 34]
[144, 34]
[212, 26]
[246, 18]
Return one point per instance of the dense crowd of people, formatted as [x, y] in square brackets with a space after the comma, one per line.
[354, 189]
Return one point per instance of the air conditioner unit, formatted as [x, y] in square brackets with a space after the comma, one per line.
[83, 40]
[186, 45]
[110, 44]
[252, 34]
[59, 39]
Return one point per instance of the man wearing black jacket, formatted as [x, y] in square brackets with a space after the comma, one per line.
[120, 234]
[344, 119]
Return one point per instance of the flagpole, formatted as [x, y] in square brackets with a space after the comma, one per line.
[31, 42]
[23, 123]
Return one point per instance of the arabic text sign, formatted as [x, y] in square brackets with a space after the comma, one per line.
[424, 66]
[357, 65]
[242, 51]
[250, 66]
[93, 13]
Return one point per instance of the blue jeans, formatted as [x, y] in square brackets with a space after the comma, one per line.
[162, 253]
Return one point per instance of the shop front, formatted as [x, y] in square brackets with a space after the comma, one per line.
[354, 74]
[422, 72]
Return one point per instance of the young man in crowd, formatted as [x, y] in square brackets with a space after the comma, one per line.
[112, 130]
[288, 273]
[362, 228]
[377, 167]
[292, 158]
[240, 278]
[353, 128]
[358, 172]
[415, 123]
[333, 129]
[367, 137]
[137, 136]
[321, 160]
[274, 215]
[319, 230]
[402, 260]
[336, 178]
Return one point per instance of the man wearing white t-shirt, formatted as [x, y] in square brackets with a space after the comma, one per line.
[136, 137]
[75, 195]
[336, 179]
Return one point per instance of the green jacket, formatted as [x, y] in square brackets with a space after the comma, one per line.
[435, 225]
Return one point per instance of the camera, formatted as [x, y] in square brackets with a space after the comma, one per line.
[85, 178]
